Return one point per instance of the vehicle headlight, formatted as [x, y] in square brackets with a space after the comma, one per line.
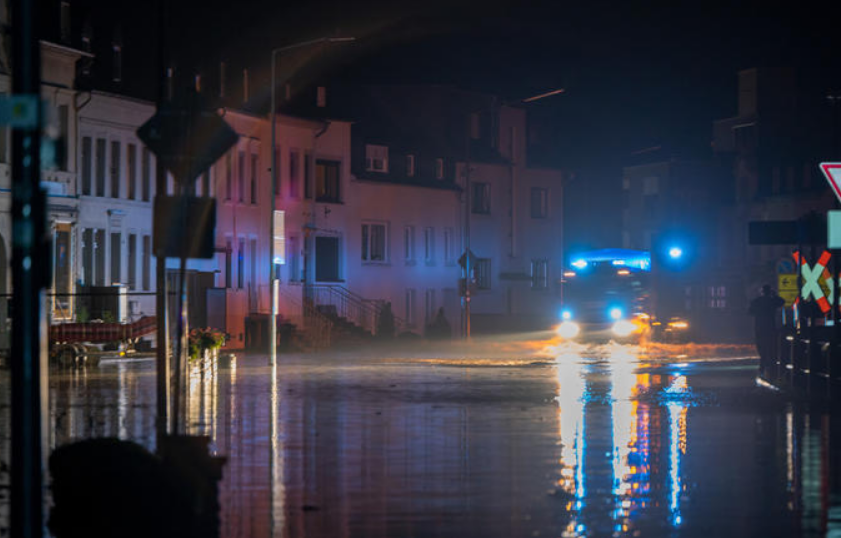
[623, 327]
[568, 329]
[679, 324]
[615, 313]
[566, 314]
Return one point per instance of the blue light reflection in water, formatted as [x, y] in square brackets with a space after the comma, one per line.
[648, 420]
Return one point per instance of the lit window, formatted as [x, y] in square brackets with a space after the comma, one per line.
[374, 240]
[376, 158]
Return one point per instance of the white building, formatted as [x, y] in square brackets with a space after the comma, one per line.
[116, 187]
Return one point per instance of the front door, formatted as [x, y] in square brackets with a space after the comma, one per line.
[326, 259]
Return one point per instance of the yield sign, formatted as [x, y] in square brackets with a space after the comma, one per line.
[187, 137]
[832, 172]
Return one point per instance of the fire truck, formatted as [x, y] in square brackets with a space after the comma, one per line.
[610, 294]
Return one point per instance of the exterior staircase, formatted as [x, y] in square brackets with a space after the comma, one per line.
[353, 313]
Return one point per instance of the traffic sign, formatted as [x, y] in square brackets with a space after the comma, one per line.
[787, 287]
[832, 173]
[816, 281]
[20, 111]
[785, 266]
[187, 137]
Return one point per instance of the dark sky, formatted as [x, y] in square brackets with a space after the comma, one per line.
[636, 74]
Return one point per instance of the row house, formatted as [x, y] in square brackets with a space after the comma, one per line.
[59, 168]
[116, 186]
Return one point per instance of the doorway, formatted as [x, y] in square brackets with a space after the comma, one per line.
[327, 259]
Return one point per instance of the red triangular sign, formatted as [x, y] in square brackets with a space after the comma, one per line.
[832, 172]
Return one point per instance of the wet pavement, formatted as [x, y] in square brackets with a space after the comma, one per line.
[526, 438]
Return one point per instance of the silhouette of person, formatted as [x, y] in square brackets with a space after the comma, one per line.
[764, 311]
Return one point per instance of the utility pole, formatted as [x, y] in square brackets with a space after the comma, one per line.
[162, 337]
[30, 274]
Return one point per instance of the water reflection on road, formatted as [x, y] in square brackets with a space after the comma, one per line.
[581, 442]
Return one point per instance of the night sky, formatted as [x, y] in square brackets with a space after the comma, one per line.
[636, 74]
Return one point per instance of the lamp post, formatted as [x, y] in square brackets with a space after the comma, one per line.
[273, 284]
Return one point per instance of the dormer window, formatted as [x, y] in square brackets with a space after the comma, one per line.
[376, 158]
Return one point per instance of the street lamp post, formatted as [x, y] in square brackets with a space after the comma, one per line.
[273, 284]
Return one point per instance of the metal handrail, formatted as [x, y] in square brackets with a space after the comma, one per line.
[318, 328]
[363, 312]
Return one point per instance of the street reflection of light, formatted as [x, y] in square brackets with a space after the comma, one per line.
[677, 429]
[570, 397]
[122, 401]
[789, 448]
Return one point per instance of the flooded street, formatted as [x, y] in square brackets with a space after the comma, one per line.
[515, 441]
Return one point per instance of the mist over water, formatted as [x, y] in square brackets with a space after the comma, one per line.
[520, 436]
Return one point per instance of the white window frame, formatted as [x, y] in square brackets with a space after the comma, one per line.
[376, 158]
[367, 251]
[429, 245]
[409, 245]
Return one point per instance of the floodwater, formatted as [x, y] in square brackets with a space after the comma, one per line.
[526, 439]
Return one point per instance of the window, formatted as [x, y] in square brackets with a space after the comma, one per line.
[374, 242]
[229, 180]
[252, 251]
[482, 273]
[409, 244]
[327, 181]
[99, 258]
[116, 258]
[87, 256]
[449, 246]
[62, 270]
[539, 203]
[718, 297]
[87, 165]
[241, 177]
[253, 186]
[410, 165]
[147, 262]
[539, 274]
[294, 169]
[117, 64]
[240, 263]
[439, 168]
[429, 245]
[410, 307]
[147, 175]
[61, 153]
[131, 164]
[430, 305]
[376, 158]
[229, 277]
[308, 175]
[100, 167]
[115, 169]
[480, 198]
[132, 261]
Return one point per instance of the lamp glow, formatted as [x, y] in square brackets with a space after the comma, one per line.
[675, 252]
[615, 313]
[568, 329]
[579, 264]
[566, 315]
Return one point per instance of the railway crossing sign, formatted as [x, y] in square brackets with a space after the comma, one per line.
[832, 173]
[816, 281]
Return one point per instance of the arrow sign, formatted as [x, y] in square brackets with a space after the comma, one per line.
[832, 172]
